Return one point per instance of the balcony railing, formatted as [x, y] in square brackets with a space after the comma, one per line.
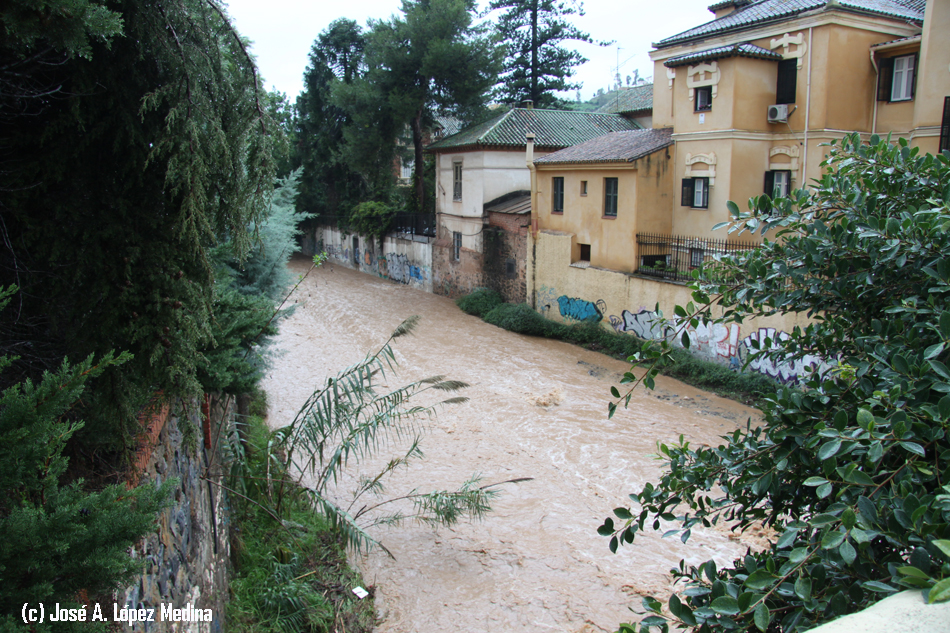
[674, 257]
[415, 224]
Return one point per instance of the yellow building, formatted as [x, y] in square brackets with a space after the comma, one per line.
[745, 102]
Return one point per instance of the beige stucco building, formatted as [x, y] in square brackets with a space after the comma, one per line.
[746, 102]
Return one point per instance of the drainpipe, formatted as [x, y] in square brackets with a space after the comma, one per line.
[533, 233]
[877, 78]
[807, 110]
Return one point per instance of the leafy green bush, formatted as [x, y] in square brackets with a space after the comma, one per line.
[519, 318]
[852, 472]
[480, 302]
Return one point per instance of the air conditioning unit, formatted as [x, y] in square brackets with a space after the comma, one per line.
[778, 113]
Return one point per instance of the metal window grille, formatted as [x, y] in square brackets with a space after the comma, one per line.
[457, 245]
[674, 257]
[457, 181]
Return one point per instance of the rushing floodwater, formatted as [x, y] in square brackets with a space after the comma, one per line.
[537, 409]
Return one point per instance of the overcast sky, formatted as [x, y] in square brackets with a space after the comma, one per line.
[282, 32]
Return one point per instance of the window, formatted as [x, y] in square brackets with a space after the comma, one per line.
[585, 252]
[696, 193]
[703, 101]
[511, 269]
[557, 194]
[778, 183]
[457, 181]
[787, 81]
[610, 197]
[456, 245]
[583, 187]
[406, 168]
[945, 126]
[897, 78]
[696, 256]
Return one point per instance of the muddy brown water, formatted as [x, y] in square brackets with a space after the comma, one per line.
[537, 409]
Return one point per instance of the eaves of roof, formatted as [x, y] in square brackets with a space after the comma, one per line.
[767, 11]
[617, 147]
[722, 52]
[552, 129]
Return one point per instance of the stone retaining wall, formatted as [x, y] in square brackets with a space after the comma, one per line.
[187, 556]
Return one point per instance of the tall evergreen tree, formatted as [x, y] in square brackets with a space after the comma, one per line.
[329, 186]
[145, 148]
[432, 59]
[536, 62]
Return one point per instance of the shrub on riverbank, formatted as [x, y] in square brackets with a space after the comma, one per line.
[480, 302]
[291, 572]
[745, 386]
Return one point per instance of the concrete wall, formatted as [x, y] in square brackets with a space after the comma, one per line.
[626, 303]
[403, 258]
[187, 557]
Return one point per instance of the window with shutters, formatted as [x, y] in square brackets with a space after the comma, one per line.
[945, 126]
[457, 181]
[787, 81]
[778, 183]
[703, 102]
[897, 78]
[557, 194]
[695, 193]
[611, 194]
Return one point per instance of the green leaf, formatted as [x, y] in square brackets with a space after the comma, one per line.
[847, 552]
[940, 592]
[944, 546]
[814, 481]
[759, 579]
[786, 540]
[848, 518]
[623, 513]
[684, 339]
[725, 605]
[803, 587]
[762, 617]
[909, 570]
[832, 540]
[653, 620]
[859, 478]
[824, 490]
[865, 418]
[878, 587]
[912, 447]
[829, 449]
[614, 392]
[933, 351]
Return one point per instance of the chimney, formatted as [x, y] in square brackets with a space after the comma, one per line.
[529, 154]
[529, 104]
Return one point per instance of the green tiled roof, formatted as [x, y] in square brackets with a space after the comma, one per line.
[764, 11]
[635, 99]
[616, 147]
[553, 129]
[721, 52]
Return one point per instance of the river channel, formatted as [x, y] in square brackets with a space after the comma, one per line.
[537, 409]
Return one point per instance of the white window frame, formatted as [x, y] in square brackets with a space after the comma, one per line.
[902, 82]
[700, 192]
[782, 183]
[407, 164]
[702, 104]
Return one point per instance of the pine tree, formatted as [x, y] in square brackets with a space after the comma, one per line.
[537, 65]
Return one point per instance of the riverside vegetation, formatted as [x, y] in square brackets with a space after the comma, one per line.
[746, 386]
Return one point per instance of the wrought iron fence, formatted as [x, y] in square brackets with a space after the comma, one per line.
[415, 224]
[674, 257]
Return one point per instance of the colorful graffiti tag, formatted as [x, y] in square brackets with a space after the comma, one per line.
[579, 309]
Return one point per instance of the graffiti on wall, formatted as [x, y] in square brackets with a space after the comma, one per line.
[716, 341]
[579, 309]
[400, 268]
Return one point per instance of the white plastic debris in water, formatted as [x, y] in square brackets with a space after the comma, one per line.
[360, 592]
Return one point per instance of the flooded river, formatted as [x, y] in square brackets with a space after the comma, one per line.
[537, 409]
